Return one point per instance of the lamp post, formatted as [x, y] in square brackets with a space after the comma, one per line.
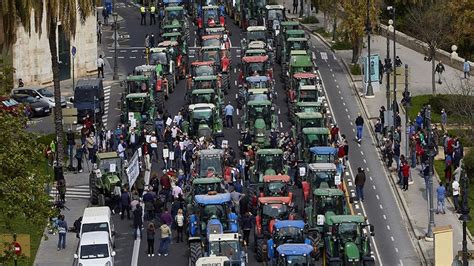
[431, 155]
[394, 108]
[114, 14]
[370, 91]
[388, 63]
[464, 217]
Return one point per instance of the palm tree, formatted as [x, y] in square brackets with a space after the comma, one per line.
[18, 13]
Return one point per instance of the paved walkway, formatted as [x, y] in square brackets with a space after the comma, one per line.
[414, 201]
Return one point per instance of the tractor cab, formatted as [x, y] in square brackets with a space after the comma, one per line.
[286, 232]
[274, 16]
[256, 66]
[175, 37]
[207, 83]
[253, 34]
[138, 84]
[174, 15]
[145, 70]
[276, 186]
[257, 82]
[296, 44]
[294, 254]
[347, 241]
[311, 137]
[323, 154]
[259, 118]
[255, 52]
[212, 16]
[202, 68]
[300, 61]
[271, 209]
[267, 162]
[204, 120]
[203, 186]
[308, 120]
[320, 175]
[107, 173]
[228, 245]
[205, 96]
[177, 54]
[308, 107]
[214, 54]
[210, 163]
[138, 111]
[212, 40]
[323, 203]
[160, 58]
[214, 211]
[302, 79]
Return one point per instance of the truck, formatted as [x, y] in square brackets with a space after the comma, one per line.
[89, 100]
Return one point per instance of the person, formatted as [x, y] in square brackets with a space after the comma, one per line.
[229, 112]
[378, 128]
[71, 142]
[138, 220]
[105, 15]
[143, 15]
[381, 71]
[150, 238]
[62, 230]
[444, 120]
[154, 146]
[152, 40]
[125, 201]
[405, 169]
[334, 133]
[20, 83]
[295, 6]
[398, 61]
[439, 69]
[121, 149]
[152, 15]
[247, 226]
[79, 155]
[360, 182]
[61, 188]
[165, 217]
[455, 187]
[466, 69]
[99, 32]
[77, 226]
[165, 239]
[100, 66]
[441, 192]
[179, 220]
[359, 125]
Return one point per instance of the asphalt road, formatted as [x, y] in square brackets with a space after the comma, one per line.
[391, 244]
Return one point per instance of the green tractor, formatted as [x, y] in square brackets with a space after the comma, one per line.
[176, 37]
[179, 55]
[311, 137]
[210, 163]
[252, 13]
[253, 88]
[165, 69]
[305, 94]
[204, 89]
[176, 17]
[138, 111]
[221, 61]
[211, 16]
[107, 174]
[299, 61]
[202, 186]
[320, 175]
[346, 242]
[204, 121]
[259, 118]
[205, 96]
[274, 16]
[287, 33]
[267, 162]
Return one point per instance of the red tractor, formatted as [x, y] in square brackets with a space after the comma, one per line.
[276, 186]
[255, 66]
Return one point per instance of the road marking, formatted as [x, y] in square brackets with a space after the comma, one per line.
[109, 57]
[384, 217]
[377, 196]
[353, 195]
[235, 70]
[334, 56]
[236, 96]
[396, 250]
[373, 186]
[361, 152]
[393, 239]
[331, 71]
[238, 55]
[339, 91]
[132, 57]
[388, 226]
[120, 57]
[281, 125]
[370, 178]
[106, 96]
[357, 206]
[337, 86]
[381, 206]
[353, 130]
[347, 111]
[333, 75]
[348, 116]
[107, 87]
[344, 103]
[237, 111]
[134, 51]
[335, 80]
[123, 51]
[235, 82]
[279, 111]
[324, 56]
[191, 55]
[238, 126]
[365, 161]
[350, 122]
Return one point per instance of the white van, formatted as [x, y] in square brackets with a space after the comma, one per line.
[98, 219]
[213, 261]
[95, 248]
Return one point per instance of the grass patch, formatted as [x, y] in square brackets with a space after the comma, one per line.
[342, 45]
[323, 33]
[310, 20]
[437, 103]
[355, 69]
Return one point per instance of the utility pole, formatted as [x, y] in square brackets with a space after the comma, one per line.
[388, 69]
[431, 154]
[464, 217]
[114, 14]
[394, 108]
[370, 91]
[406, 100]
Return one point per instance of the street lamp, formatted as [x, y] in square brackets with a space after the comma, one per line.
[114, 14]
[464, 217]
[388, 63]
[454, 54]
[370, 91]
[431, 155]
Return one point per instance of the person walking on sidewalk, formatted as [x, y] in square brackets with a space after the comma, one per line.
[229, 112]
[179, 220]
[360, 182]
[105, 15]
[455, 187]
[441, 192]
[165, 239]
[466, 69]
[62, 230]
[440, 69]
[99, 32]
[100, 66]
[143, 15]
[125, 201]
[138, 221]
[405, 169]
[150, 238]
[360, 126]
[295, 6]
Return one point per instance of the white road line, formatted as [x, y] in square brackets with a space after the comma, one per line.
[348, 116]
[370, 178]
[236, 96]
[106, 96]
[384, 217]
[353, 130]
[237, 111]
[123, 51]
[339, 92]
[337, 86]
[373, 186]
[235, 70]
[357, 206]
[393, 239]
[361, 152]
[347, 173]
[132, 57]
[368, 170]
[235, 82]
[281, 125]
[238, 126]
[238, 55]
[331, 71]
[396, 250]
[279, 111]
[377, 196]
[191, 55]
[388, 227]
[353, 195]
[381, 207]
[120, 57]
[107, 87]
[134, 51]
[365, 161]
[335, 80]
[109, 57]
[333, 75]
[343, 103]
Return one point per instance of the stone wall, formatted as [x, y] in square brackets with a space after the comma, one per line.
[32, 57]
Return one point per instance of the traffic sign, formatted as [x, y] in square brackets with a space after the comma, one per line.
[73, 51]
[17, 248]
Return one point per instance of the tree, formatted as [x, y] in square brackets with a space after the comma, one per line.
[6, 77]
[431, 24]
[22, 183]
[19, 13]
[354, 22]
[463, 24]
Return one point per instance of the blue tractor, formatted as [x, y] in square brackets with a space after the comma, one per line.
[210, 214]
[286, 232]
[294, 254]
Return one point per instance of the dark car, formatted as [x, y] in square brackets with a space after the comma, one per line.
[37, 107]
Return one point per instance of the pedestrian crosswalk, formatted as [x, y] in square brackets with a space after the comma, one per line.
[75, 192]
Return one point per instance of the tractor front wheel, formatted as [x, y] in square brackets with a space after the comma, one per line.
[195, 250]
[160, 101]
[94, 191]
[260, 252]
[225, 83]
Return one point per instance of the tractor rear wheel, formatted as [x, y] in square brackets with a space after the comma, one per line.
[94, 191]
[284, 69]
[315, 239]
[291, 113]
[260, 255]
[101, 199]
[149, 127]
[160, 101]
[171, 82]
[225, 83]
[195, 250]
[241, 98]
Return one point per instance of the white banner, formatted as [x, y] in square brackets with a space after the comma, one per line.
[133, 169]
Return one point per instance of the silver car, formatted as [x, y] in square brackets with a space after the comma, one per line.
[39, 93]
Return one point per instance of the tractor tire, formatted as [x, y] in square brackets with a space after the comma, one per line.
[260, 255]
[171, 82]
[160, 101]
[291, 113]
[94, 192]
[225, 83]
[101, 199]
[241, 98]
[283, 76]
[315, 240]
[149, 127]
[195, 250]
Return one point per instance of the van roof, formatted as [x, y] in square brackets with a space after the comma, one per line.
[95, 215]
[97, 237]
[88, 83]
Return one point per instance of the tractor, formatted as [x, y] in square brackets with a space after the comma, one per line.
[200, 88]
[322, 154]
[221, 61]
[176, 37]
[107, 174]
[320, 175]
[324, 203]
[175, 16]
[346, 242]
[204, 121]
[267, 162]
[210, 214]
[165, 69]
[202, 68]
[211, 16]
[202, 186]
[259, 118]
[255, 34]
[204, 96]
[286, 232]
[300, 61]
[138, 111]
[294, 44]
[229, 245]
[255, 66]
[295, 254]
[311, 137]
[276, 186]
[210, 163]
[252, 13]
[178, 55]
[255, 85]
[138, 84]
[281, 40]
[269, 210]
[306, 94]
[307, 120]
[213, 260]
[274, 16]
[215, 40]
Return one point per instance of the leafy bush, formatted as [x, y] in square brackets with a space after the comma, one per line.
[310, 20]
[355, 69]
[323, 33]
[342, 45]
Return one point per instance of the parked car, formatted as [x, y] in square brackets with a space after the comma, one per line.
[37, 107]
[95, 248]
[39, 93]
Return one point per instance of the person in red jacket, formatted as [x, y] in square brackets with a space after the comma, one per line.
[405, 168]
[334, 132]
